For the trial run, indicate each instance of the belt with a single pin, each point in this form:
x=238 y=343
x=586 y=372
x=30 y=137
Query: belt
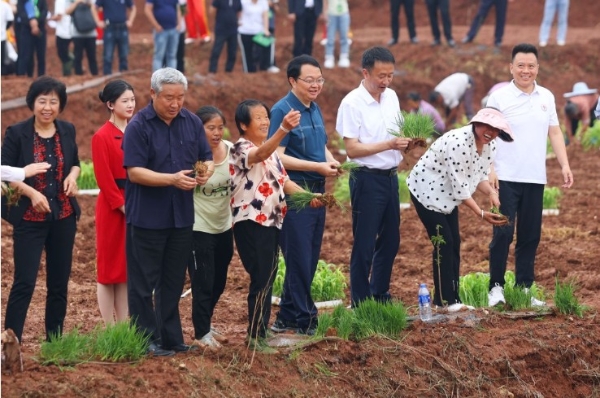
x=387 y=173
x=120 y=182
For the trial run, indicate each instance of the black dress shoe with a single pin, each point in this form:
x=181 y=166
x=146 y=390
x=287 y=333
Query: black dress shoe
x=183 y=348
x=156 y=351
x=392 y=42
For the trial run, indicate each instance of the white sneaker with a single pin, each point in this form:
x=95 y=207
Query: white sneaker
x=329 y=63
x=273 y=69
x=534 y=301
x=344 y=62
x=561 y=42
x=543 y=44
x=496 y=296
x=323 y=42
x=456 y=307
x=207 y=342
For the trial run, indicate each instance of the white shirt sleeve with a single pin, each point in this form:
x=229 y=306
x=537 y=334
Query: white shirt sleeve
x=12 y=173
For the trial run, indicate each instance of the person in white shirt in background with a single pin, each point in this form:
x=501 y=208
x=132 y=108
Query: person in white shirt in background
x=62 y=23
x=450 y=93
x=6 y=20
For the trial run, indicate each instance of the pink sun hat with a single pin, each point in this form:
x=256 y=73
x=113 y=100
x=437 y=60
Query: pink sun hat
x=494 y=118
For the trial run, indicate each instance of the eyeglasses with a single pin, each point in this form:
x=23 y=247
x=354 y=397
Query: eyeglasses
x=310 y=81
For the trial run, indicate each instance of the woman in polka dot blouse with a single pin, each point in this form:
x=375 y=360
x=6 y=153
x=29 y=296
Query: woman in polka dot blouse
x=447 y=175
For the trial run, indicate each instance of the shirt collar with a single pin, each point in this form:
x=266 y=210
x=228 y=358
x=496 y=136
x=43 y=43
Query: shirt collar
x=295 y=103
x=366 y=95
x=149 y=112
x=517 y=92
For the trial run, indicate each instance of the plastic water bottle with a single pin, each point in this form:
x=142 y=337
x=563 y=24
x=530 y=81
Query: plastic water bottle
x=424 y=303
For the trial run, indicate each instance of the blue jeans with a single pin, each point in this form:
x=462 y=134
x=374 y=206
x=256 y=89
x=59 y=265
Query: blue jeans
x=115 y=34
x=341 y=24
x=165 y=44
x=550 y=9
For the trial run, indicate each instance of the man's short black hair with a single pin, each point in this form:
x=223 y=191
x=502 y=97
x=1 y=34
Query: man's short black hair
x=376 y=54
x=295 y=65
x=413 y=96
x=571 y=110
x=524 y=48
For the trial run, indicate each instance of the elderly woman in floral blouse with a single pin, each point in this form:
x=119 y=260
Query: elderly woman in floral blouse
x=259 y=184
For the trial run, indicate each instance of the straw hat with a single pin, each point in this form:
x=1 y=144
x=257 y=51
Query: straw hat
x=580 y=88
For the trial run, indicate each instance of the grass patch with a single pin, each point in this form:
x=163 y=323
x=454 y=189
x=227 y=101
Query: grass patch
x=552 y=197
x=368 y=319
x=328 y=284
x=87 y=178
x=474 y=288
x=591 y=137
x=565 y=300
x=114 y=343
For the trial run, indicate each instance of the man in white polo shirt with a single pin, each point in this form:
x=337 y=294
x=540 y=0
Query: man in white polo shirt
x=363 y=119
x=520 y=169
x=451 y=92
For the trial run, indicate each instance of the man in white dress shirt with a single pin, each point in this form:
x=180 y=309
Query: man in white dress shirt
x=520 y=169
x=363 y=119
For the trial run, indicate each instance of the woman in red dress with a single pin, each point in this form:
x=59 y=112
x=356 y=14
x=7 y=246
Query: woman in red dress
x=107 y=156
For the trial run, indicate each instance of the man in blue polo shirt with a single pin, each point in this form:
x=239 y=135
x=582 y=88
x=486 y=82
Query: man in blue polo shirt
x=162 y=144
x=165 y=17
x=116 y=26
x=308 y=161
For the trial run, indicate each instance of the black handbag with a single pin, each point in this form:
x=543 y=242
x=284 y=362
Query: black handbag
x=83 y=19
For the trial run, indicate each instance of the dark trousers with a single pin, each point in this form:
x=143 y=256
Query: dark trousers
x=446 y=274
x=253 y=54
x=522 y=201
x=482 y=12
x=410 y=17
x=301 y=238
x=87 y=44
x=156 y=261
x=208 y=267
x=220 y=41
x=304 y=32
x=30 y=238
x=257 y=247
x=376 y=231
x=66 y=59
x=444 y=7
x=28 y=45
x=181 y=53
x=115 y=35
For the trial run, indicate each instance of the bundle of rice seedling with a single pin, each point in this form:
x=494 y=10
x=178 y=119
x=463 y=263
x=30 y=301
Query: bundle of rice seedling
x=12 y=195
x=417 y=126
x=348 y=166
x=495 y=210
x=200 y=168
x=300 y=200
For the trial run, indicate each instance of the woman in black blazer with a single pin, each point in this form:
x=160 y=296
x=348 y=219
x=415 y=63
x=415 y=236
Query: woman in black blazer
x=45 y=217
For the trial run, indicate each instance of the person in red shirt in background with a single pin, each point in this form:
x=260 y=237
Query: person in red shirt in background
x=196 y=21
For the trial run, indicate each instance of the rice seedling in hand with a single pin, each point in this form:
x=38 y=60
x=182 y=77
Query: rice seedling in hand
x=348 y=166
x=200 y=168
x=87 y=178
x=495 y=210
x=12 y=195
x=416 y=126
x=300 y=200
